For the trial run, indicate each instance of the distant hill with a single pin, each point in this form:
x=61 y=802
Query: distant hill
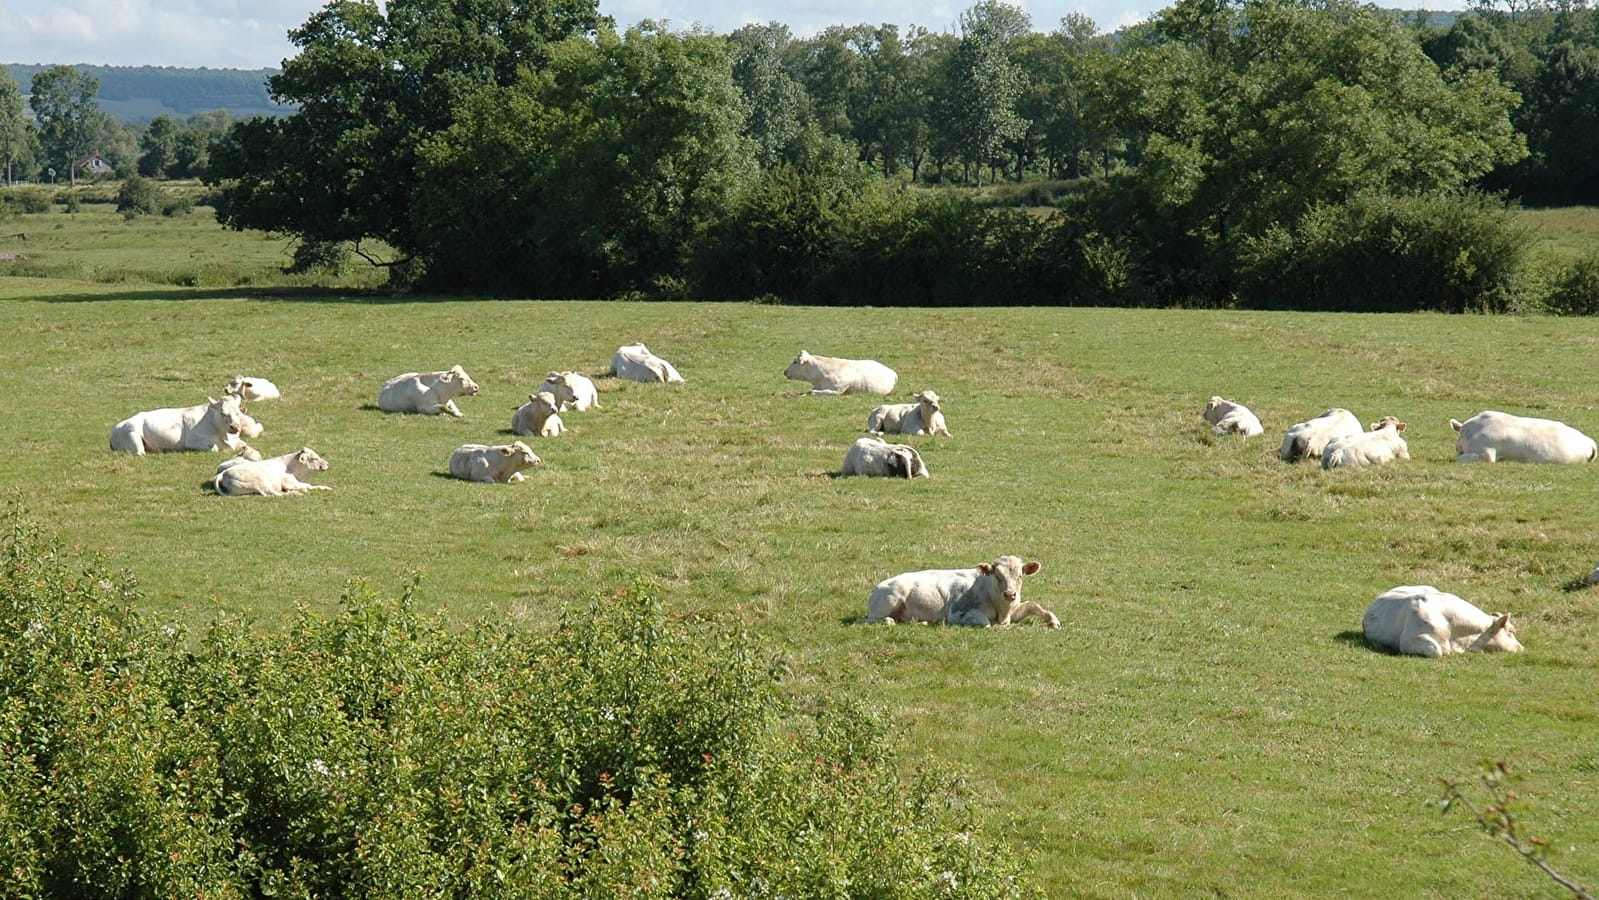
x=138 y=94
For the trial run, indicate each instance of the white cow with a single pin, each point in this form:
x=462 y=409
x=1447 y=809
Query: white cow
x=250 y=388
x=635 y=362
x=869 y=456
x=426 y=392
x=1382 y=444
x=271 y=477
x=1422 y=620
x=502 y=463
x=922 y=417
x=1227 y=417
x=1309 y=439
x=1493 y=436
x=248 y=428
x=830 y=375
x=538 y=416
x=989 y=594
x=208 y=426
x=571 y=391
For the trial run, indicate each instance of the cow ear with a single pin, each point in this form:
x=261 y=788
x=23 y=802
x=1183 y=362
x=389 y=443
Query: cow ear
x=985 y=568
x=1500 y=622
x=1399 y=426
x=506 y=451
x=1032 y=567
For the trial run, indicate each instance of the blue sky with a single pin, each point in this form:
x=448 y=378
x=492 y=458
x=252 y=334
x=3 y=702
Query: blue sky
x=250 y=34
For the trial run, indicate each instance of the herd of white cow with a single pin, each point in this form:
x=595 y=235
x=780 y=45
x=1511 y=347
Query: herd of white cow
x=1420 y=619
x=1413 y=619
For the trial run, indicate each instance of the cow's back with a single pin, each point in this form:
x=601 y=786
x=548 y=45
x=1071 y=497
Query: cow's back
x=923 y=596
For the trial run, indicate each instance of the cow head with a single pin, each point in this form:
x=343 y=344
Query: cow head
x=929 y=400
x=1008 y=572
x=907 y=463
x=309 y=459
x=458 y=375
x=1386 y=421
x=227 y=413
x=520 y=455
x=1501 y=635
x=802 y=366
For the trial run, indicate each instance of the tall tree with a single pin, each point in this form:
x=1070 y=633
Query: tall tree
x=775 y=103
x=983 y=86
x=69 y=117
x=373 y=81
x=17 y=139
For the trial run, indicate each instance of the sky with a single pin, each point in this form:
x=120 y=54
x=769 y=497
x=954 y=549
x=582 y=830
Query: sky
x=252 y=34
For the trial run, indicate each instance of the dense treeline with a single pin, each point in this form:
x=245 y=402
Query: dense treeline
x=1225 y=152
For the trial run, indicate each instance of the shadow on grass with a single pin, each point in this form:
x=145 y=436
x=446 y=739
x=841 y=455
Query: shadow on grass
x=282 y=294
x=1353 y=639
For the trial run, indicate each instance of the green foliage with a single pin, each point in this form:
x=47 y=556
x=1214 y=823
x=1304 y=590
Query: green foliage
x=605 y=167
x=138 y=197
x=381 y=752
x=62 y=101
x=1575 y=291
x=1245 y=114
x=32 y=200
x=319 y=256
x=1444 y=253
x=374 y=84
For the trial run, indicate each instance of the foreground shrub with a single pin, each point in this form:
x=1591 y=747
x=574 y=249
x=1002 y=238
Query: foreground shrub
x=138 y=197
x=381 y=753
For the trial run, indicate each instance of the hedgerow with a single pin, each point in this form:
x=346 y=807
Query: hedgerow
x=380 y=752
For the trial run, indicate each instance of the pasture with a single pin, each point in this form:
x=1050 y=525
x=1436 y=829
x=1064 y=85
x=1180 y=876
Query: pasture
x=1206 y=722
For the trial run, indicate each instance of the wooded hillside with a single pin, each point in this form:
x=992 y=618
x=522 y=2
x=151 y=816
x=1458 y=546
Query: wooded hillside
x=140 y=93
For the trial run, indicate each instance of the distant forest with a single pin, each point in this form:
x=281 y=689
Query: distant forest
x=138 y=94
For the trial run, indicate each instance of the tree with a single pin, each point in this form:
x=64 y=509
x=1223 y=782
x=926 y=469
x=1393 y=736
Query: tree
x=158 y=148
x=17 y=140
x=775 y=103
x=983 y=86
x=374 y=82
x=1243 y=114
x=602 y=168
x=63 y=102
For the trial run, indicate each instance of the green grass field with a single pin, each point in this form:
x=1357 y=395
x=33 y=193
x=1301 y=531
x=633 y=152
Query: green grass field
x=1208 y=720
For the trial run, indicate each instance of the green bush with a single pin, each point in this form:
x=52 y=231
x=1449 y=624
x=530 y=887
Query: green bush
x=380 y=752
x=1441 y=252
x=1575 y=291
x=138 y=197
x=25 y=200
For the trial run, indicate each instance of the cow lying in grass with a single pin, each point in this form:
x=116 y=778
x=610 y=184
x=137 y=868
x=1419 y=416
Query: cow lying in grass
x=273 y=476
x=925 y=416
x=1308 y=439
x=430 y=393
x=1382 y=444
x=1227 y=417
x=499 y=464
x=1493 y=436
x=1424 y=621
x=829 y=375
x=571 y=391
x=205 y=427
x=538 y=416
x=635 y=362
x=870 y=456
x=249 y=389
x=988 y=594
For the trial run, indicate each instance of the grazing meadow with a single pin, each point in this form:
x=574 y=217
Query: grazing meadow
x=1208 y=719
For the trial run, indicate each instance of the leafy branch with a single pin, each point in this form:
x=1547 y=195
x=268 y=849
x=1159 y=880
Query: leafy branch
x=1498 y=813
